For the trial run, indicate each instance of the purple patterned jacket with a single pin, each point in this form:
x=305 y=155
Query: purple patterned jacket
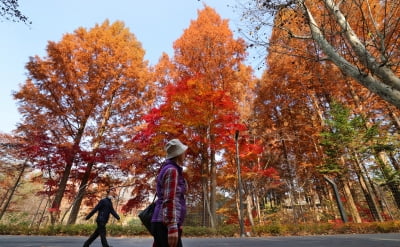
x=171 y=203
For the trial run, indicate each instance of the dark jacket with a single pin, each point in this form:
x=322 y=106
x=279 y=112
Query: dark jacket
x=105 y=208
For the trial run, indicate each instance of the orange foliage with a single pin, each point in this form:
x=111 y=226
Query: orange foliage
x=85 y=97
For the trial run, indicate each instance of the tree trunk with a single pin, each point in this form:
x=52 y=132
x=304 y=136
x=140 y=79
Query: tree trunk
x=376 y=190
x=85 y=180
x=4 y=198
x=204 y=184
x=330 y=207
x=350 y=202
x=37 y=212
x=368 y=193
x=79 y=197
x=257 y=202
x=385 y=205
x=381 y=81
x=395 y=117
x=13 y=189
x=250 y=208
x=213 y=178
x=318 y=110
x=43 y=212
x=213 y=190
x=393 y=186
x=64 y=179
x=394 y=162
x=363 y=170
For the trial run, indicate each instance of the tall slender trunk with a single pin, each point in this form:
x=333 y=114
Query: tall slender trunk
x=4 y=198
x=13 y=189
x=318 y=109
x=350 y=202
x=394 y=162
x=64 y=179
x=250 y=208
x=257 y=204
x=367 y=191
x=81 y=193
x=85 y=179
x=43 y=212
x=393 y=186
x=213 y=189
x=395 y=121
x=394 y=116
x=385 y=206
x=37 y=212
x=204 y=184
x=213 y=177
x=381 y=200
x=329 y=207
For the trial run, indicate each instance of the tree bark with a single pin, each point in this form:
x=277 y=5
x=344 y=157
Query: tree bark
x=4 y=198
x=64 y=179
x=393 y=186
x=368 y=193
x=79 y=197
x=394 y=116
x=213 y=189
x=204 y=184
x=350 y=202
x=85 y=180
x=250 y=208
x=37 y=212
x=213 y=178
x=13 y=189
x=383 y=81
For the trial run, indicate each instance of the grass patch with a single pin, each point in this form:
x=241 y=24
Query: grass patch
x=272 y=229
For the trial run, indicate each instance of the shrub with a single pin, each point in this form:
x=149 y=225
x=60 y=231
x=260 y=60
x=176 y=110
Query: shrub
x=228 y=230
x=271 y=229
x=195 y=231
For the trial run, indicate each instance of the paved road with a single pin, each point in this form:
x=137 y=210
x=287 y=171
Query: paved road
x=364 y=240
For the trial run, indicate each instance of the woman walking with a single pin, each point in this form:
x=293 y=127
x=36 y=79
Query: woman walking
x=170 y=210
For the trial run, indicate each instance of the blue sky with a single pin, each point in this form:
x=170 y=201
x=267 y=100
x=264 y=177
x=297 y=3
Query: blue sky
x=155 y=23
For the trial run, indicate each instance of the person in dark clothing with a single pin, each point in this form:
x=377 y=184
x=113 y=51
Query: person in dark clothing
x=104 y=209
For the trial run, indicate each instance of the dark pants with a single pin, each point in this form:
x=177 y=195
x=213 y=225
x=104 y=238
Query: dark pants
x=100 y=230
x=160 y=234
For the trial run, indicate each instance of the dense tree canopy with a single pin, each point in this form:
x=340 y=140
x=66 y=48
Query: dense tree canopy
x=359 y=37
x=86 y=95
x=94 y=113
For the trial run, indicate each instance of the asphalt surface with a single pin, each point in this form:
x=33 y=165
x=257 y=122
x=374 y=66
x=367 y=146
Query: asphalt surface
x=356 y=240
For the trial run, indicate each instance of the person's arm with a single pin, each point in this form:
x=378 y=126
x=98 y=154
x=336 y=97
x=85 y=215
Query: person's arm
x=114 y=213
x=94 y=210
x=170 y=183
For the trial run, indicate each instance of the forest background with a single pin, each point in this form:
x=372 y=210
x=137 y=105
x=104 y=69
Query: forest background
x=315 y=139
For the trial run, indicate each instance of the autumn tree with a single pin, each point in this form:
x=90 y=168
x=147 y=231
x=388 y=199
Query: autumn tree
x=87 y=94
x=208 y=60
x=286 y=123
x=347 y=144
x=295 y=93
x=359 y=37
x=258 y=178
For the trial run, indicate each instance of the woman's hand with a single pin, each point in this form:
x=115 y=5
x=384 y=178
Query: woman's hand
x=173 y=239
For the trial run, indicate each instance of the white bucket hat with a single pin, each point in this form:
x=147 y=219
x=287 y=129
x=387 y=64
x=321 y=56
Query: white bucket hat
x=175 y=148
